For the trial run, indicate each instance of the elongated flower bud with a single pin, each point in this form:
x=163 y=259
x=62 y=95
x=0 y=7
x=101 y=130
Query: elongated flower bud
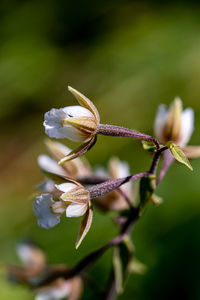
x=174 y=124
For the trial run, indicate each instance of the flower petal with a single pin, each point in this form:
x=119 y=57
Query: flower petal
x=54 y=118
x=119 y=169
x=159 y=123
x=85 y=102
x=56 y=149
x=47 y=186
x=58 y=290
x=187 y=126
x=58 y=207
x=49 y=165
x=31 y=255
x=192 y=152
x=76 y=210
x=85 y=226
x=77 y=111
x=74 y=169
x=66 y=187
x=42 y=210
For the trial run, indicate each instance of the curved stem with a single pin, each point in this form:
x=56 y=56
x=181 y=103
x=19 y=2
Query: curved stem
x=156 y=158
x=112 y=130
x=101 y=189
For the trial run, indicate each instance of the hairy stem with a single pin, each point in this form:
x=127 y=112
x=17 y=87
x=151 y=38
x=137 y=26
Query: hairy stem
x=101 y=189
x=112 y=130
x=156 y=158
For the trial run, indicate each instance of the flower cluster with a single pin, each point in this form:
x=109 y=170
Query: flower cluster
x=72 y=188
x=67 y=189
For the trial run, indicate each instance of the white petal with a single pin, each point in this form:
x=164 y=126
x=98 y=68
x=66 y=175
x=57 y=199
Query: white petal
x=25 y=253
x=42 y=210
x=53 y=122
x=77 y=111
x=46 y=186
x=160 y=119
x=48 y=164
x=62 y=148
x=55 y=292
x=100 y=171
x=31 y=255
x=76 y=210
x=58 y=207
x=66 y=187
x=54 y=117
x=123 y=170
x=187 y=126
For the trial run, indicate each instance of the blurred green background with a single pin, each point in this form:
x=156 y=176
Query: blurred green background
x=126 y=56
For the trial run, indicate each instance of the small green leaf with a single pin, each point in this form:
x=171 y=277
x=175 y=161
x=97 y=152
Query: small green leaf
x=149 y=146
x=179 y=155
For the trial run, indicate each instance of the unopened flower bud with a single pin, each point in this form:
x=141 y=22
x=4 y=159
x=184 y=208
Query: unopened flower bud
x=174 y=124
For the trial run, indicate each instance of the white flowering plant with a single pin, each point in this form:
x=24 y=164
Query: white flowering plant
x=72 y=188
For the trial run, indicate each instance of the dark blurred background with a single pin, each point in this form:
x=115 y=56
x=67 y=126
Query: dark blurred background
x=126 y=56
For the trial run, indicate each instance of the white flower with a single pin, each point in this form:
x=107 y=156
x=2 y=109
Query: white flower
x=49 y=165
x=77 y=123
x=173 y=124
x=68 y=122
x=77 y=201
x=74 y=201
x=43 y=209
x=76 y=198
x=74 y=169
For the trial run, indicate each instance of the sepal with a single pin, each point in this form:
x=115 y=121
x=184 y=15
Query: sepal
x=82 y=149
x=179 y=155
x=85 y=225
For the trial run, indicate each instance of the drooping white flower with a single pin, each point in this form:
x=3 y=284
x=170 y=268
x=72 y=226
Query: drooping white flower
x=174 y=124
x=74 y=201
x=77 y=201
x=77 y=123
x=76 y=198
x=69 y=122
x=43 y=210
x=74 y=169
